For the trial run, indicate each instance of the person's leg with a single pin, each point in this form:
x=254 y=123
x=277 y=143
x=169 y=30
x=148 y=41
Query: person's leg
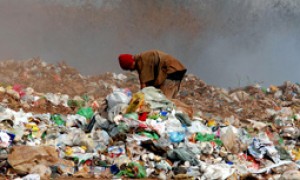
x=170 y=88
x=176 y=88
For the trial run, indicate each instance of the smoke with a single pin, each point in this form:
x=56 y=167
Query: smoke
x=226 y=43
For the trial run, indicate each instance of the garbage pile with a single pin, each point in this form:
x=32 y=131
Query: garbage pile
x=56 y=123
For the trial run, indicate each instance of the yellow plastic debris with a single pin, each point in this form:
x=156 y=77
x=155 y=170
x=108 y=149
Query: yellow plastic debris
x=211 y=123
x=296 y=153
x=69 y=151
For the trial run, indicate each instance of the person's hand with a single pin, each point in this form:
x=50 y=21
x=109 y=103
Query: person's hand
x=143 y=85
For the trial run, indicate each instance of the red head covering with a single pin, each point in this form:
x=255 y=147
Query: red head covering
x=126 y=61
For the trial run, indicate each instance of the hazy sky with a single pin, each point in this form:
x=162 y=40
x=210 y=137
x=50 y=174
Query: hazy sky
x=226 y=43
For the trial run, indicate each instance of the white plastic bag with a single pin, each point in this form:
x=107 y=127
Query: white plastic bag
x=119 y=96
x=4 y=140
x=198 y=126
x=32 y=177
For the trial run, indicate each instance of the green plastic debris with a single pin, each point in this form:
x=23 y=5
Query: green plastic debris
x=86 y=97
x=123 y=127
x=87 y=112
x=284 y=155
x=30 y=137
x=294 y=117
x=208 y=138
x=44 y=135
x=58 y=120
x=264 y=90
x=133 y=170
x=131 y=116
x=154 y=116
x=280 y=141
x=151 y=135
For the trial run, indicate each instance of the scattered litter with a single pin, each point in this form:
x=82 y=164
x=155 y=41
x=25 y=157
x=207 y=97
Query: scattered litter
x=55 y=122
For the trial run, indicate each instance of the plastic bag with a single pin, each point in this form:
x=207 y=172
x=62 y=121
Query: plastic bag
x=183 y=154
x=174 y=125
x=198 y=126
x=157 y=126
x=32 y=177
x=75 y=119
x=183 y=118
x=119 y=96
x=19 y=89
x=216 y=171
x=156 y=99
x=258 y=149
x=230 y=140
x=90 y=126
x=123 y=127
x=133 y=116
x=116 y=110
x=86 y=112
x=176 y=137
x=162 y=142
x=137 y=101
x=133 y=170
x=101 y=122
x=58 y=120
x=151 y=135
x=55 y=98
x=4 y=140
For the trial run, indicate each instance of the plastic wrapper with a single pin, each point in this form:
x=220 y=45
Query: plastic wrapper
x=208 y=138
x=115 y=151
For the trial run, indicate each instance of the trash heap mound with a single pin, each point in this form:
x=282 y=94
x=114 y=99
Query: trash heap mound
x=57 y=123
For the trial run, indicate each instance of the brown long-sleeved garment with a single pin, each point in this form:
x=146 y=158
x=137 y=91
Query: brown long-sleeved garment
x=155 y=66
